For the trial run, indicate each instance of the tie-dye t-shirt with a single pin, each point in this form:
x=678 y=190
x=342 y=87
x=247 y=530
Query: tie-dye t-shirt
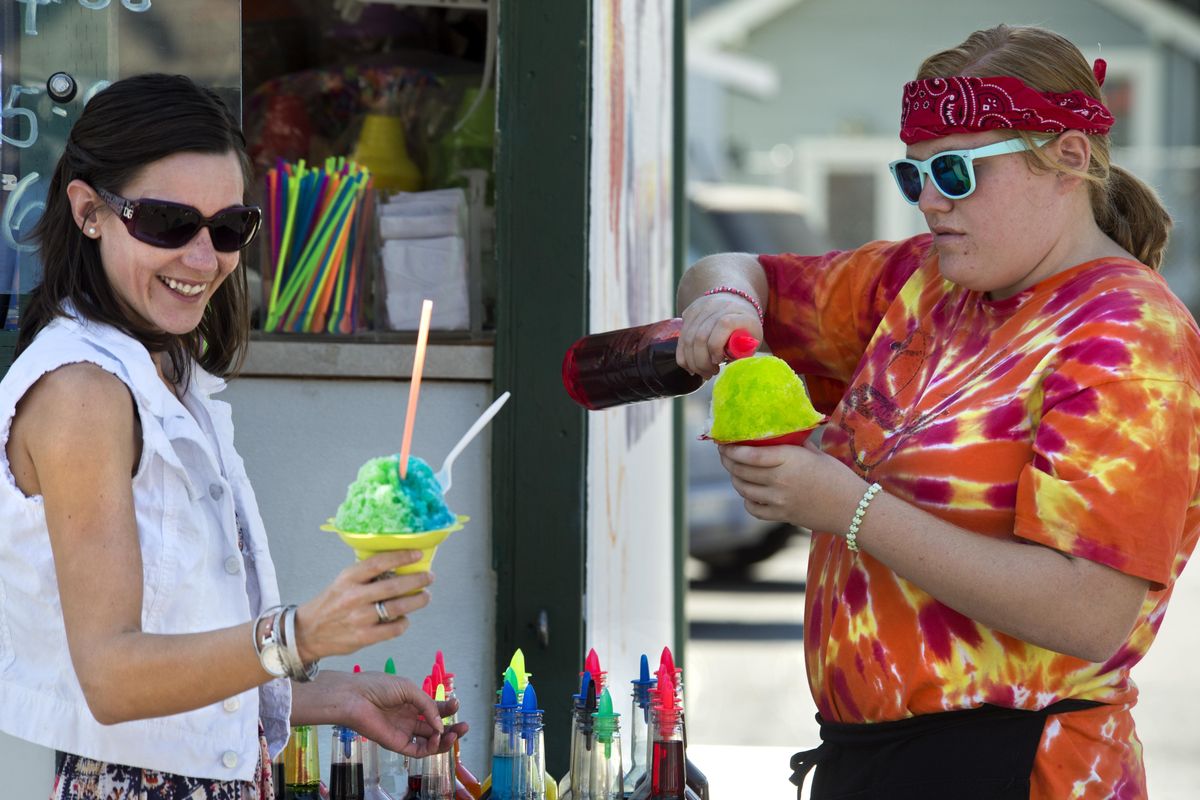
x=1067 y=415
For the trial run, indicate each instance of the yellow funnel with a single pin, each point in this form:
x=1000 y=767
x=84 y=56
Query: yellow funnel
x=382 y=149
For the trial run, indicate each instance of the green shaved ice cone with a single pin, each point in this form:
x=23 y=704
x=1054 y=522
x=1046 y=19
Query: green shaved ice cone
x=378 y=502
x=373 y=501
x=757 y=398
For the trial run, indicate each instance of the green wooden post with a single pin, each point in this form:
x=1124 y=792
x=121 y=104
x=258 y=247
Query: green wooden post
x=679 y=248
x=540 y=443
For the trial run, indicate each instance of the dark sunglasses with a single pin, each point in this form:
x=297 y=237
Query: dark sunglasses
x=952 y=171
x=172 y=225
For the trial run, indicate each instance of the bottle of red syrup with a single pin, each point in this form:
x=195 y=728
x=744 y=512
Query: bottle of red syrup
x=668 y=758
x=613 y=368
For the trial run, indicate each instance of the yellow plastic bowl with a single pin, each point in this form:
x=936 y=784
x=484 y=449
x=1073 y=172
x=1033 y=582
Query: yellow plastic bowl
x=366 y=545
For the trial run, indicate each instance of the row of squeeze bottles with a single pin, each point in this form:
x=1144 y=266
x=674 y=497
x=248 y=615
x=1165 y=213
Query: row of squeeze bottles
x=658 y=769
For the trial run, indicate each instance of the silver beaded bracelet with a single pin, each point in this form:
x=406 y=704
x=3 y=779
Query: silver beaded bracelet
x=852 y=534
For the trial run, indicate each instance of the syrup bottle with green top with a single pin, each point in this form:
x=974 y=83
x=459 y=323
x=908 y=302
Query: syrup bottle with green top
x=302 y=766
x=370 y=757
x=604 y=771
x=393 y=777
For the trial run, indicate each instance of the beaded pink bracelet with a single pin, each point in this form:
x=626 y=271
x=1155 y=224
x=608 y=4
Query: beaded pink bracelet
x=740 y=293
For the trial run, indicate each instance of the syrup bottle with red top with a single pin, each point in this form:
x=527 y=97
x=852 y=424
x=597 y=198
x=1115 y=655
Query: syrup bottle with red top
x=628 y=365
x=671 y=775
x=668 y=760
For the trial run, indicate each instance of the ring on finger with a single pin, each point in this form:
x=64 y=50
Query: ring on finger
x=382 y=612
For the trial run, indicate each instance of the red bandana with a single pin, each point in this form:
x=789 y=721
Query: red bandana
x=938 y=107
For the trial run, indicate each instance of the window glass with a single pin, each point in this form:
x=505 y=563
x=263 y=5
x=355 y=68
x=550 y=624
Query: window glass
x=54 y=56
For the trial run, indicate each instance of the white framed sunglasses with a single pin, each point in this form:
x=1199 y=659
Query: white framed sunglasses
x=952 y=171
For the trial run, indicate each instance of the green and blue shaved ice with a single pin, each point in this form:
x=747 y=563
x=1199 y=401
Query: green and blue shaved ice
x=378 y=502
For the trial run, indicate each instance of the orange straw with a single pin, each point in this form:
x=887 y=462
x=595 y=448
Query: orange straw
x=415 y=387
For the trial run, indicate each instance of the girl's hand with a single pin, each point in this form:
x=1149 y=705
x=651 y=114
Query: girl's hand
x=708 y=321
x=344 y=618
x=798 y=485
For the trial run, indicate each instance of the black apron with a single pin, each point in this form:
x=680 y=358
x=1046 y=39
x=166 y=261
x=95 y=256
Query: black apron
x=983 y=753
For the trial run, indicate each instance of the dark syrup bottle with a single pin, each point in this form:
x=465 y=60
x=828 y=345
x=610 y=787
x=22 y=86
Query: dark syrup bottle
x=346 y=767
x=613 y=368
x=416 y=770
x=277 y=775
x=668 y=771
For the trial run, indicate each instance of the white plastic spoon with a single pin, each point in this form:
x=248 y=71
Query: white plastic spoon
x=443 y=474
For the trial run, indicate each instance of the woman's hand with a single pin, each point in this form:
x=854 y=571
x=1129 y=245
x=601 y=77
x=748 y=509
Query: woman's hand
x=385 y=708
x=344 y=617
x=709 y=319
x=708 y=322
x=798 y=485
x=1039 y=595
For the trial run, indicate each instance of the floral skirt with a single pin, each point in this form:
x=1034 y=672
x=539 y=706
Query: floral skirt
x=82 y=778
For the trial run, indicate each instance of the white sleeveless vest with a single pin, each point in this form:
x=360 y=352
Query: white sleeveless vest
x=194 y=576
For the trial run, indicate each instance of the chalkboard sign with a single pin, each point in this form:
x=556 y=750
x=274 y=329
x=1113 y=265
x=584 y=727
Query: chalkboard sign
x=55 y=55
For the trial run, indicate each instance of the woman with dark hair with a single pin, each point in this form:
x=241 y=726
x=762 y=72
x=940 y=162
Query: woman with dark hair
x=1008 y=484
x=141 y=629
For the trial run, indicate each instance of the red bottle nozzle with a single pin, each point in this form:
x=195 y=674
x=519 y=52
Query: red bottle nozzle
x=592 y=662
x=740 y=344
x=440 y=660
x=592 y=665
x=667 y=702
x=667 y=662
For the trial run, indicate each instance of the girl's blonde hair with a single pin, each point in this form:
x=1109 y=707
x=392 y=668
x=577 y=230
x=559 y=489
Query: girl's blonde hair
x=1125 y=208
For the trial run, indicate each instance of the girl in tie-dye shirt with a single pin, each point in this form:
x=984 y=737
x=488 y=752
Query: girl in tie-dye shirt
x=1025 y=389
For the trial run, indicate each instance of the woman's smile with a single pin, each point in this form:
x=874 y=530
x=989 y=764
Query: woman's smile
x=187 y=289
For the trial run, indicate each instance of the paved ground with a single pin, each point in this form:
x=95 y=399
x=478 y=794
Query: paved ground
x=749 y=708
